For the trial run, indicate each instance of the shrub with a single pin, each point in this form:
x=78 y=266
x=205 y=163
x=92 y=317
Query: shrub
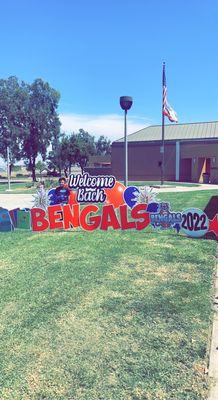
x=16 y=168
x=29 y=185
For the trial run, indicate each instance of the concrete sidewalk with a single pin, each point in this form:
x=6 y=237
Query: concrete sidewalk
x=11 y=201
x=186 y=189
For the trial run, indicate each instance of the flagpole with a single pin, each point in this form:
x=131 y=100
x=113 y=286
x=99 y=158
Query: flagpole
x=163 y=126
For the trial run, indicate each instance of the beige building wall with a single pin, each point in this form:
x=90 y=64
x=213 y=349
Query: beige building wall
x=199 y=154
x=144 y=160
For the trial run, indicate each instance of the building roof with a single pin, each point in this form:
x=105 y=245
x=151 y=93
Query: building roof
x=192 y=131
x=99 y=159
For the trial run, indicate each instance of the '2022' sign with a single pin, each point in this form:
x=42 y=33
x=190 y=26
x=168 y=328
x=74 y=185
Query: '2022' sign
x=195 y=222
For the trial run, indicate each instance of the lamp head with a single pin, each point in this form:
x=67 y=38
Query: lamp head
x=126 y=102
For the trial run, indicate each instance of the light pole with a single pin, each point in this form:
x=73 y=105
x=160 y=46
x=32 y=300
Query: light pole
x=8 y=169
x=125 y=104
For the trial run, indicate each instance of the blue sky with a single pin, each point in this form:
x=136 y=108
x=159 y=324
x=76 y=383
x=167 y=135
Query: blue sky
x=95 y=51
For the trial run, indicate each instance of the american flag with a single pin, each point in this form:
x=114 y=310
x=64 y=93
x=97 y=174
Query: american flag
x=167 y=109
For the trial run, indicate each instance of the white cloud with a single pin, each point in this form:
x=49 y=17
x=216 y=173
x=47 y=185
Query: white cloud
x=110 y=125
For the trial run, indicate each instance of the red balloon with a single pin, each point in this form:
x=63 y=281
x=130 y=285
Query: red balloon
x=114 y=196
x=72 y=198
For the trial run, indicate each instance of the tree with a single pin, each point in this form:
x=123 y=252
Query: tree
x=13 y=100
x=64 y=154
x=68 y=152
x=41 y=166
x=28 y=120
x=41 y=122
x=103 y=146
x=55 y=159
x=76 y=148
x=85 y=148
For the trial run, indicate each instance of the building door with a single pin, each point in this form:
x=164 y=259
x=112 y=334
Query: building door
x=208 y=166
x=203 y=167
x=185 y=170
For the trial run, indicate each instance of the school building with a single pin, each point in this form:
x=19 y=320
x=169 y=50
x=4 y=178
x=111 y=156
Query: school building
x=191 y=153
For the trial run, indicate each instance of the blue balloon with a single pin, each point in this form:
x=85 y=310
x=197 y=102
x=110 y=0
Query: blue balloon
x=130 y=195
x=52 y=197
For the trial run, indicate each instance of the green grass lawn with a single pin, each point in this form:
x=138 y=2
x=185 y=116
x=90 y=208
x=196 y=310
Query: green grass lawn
x=17 y=188
x=182 y=200
x=23 y=187
x=106 y=315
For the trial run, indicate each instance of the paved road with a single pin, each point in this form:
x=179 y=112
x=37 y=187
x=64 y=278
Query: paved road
x=10 y=201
